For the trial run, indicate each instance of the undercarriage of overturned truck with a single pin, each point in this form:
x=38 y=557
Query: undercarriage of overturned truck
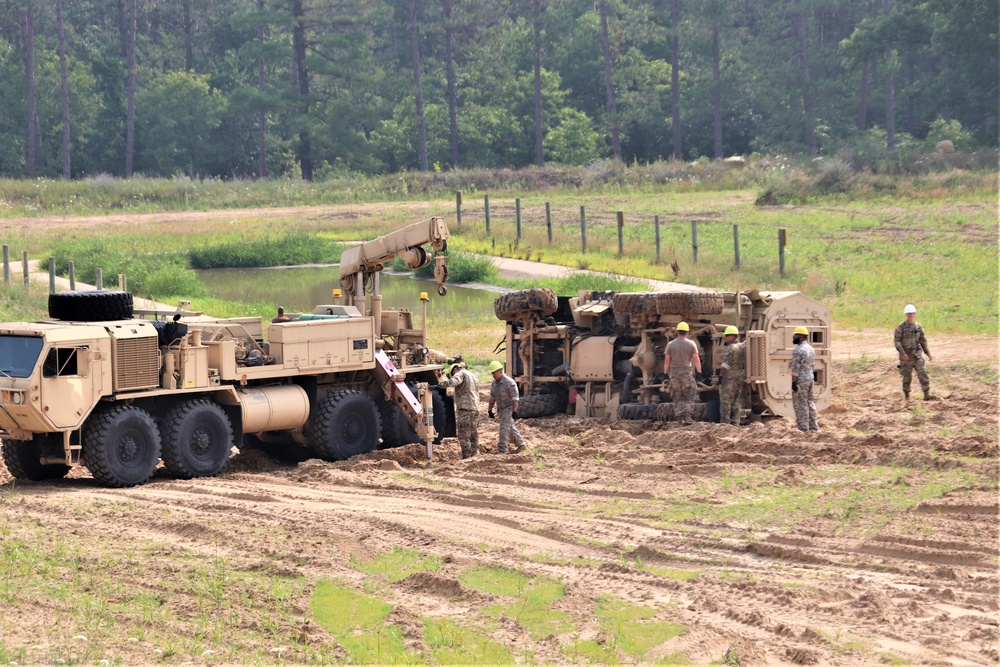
x=601 y=354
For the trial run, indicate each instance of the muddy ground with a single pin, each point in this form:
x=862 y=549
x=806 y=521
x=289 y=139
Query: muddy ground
x=874 y=541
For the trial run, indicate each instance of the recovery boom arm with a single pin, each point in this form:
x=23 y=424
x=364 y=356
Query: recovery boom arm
x=359 y=262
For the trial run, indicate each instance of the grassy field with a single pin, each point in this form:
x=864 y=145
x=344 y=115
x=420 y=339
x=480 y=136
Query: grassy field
x=931 y=241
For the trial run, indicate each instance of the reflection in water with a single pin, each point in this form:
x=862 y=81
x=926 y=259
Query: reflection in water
x=300 y=288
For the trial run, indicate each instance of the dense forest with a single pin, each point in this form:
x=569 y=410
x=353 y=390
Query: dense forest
x=309 y=88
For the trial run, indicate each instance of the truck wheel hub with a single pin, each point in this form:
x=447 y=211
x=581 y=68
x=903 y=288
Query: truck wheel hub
x=201 y=441
x=128 y=448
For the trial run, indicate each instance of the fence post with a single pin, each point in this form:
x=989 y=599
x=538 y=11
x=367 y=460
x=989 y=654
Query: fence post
x=621 y=227
x=736 y=244
x=583 y=228
x=694 y=240
x=486 y=202
x=782 y=239
x=52 y=275
x=72 y=276
x=99 y=278
x=24 y=266
x=458 y=209
x=517 y=208
x=121 y=282
x=656 y=225
x=548 y=219
x=6 y=264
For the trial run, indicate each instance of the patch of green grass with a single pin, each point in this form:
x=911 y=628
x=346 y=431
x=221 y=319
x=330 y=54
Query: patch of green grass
x=667 y=572
x=288 y=250
x=356 y=622
x=533 y=598
x=893 y=659
x=400 y=563
x=20 y=304
x=630 y=628
x=452 y=644
x=592 y=651
x=842 y=644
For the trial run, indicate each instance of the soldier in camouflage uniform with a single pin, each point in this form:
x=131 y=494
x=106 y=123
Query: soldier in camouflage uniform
x=803 y=359
x=910 y=342
x=466 y=407
x=683 y=364
x=734 y=376
x=504 y=395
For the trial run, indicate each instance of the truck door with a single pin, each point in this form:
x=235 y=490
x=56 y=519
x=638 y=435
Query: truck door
x=67 y=387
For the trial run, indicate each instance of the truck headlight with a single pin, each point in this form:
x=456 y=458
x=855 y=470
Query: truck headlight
x=17 y=398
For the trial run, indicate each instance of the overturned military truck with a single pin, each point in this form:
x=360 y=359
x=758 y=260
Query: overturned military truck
x=601 y=354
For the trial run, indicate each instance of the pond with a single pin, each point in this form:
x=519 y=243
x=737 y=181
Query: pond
x=299 y=288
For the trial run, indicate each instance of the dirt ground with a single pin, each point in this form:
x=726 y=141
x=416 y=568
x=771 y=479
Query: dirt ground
x=873 y=541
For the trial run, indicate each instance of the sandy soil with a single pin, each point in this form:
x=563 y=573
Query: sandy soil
x=590 y=504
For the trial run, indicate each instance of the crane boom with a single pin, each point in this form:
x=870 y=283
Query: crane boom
x=359 y=262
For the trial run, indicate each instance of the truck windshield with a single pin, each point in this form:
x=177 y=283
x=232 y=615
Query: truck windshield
x=18 y=355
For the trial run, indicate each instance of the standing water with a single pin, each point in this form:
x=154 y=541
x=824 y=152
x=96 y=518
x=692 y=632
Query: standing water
x=300 y=288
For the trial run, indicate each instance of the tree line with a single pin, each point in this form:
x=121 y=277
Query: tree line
x=305 y=88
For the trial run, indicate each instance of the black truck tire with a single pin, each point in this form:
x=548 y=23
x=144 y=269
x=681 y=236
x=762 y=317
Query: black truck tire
x=121 y=446
x=397 y=430
x=540 y=300
x=541 y=405
x=22 y=460
x=93 y=306
x=346 y=424
x=705 y=303
x=197 y=439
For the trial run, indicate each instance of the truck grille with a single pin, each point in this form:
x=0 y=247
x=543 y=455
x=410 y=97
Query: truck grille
x=756 y=356
x=137 y=364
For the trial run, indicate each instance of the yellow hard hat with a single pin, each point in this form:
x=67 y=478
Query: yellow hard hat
x=495 y=366
x=450 y=369
x=732 y=331
x=802 y=330
x=683 y=326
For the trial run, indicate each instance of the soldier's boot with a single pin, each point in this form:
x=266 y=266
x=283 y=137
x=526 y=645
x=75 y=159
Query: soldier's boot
x=928 y=396
x=906 y=394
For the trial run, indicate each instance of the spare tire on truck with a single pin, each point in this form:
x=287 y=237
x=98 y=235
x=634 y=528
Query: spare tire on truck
x=539 y=300
x=94 y=306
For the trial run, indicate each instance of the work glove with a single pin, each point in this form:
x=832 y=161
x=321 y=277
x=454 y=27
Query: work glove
x=698 y=377
x=491 y=414
x=795 y=386
x=515 y=415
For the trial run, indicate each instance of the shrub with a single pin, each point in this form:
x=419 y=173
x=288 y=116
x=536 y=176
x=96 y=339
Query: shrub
x=463 y=267
x=289 y=250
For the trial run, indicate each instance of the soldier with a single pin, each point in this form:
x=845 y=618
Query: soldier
x=910 y=342
x=281 y=316
x=803 y=358
x=734 y=375
x=503 y=394
x=681 y=357
x=466 y=407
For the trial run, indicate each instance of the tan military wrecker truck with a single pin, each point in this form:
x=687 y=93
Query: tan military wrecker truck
x=601 y=354
x=97 y=387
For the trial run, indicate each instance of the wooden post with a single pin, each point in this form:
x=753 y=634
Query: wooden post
x=24 y=266
x=99 y=278
x=548 y=219
x=694 y=240
x=52 y=275
x=621 y=228
x=6 y=264
x=458 y=209
x=72 y=276
x=656 y=225
x=517 y=214
x=782 y=239
x=736 y=244
x=583 y=228
x=121 y=281
x=486 y=202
